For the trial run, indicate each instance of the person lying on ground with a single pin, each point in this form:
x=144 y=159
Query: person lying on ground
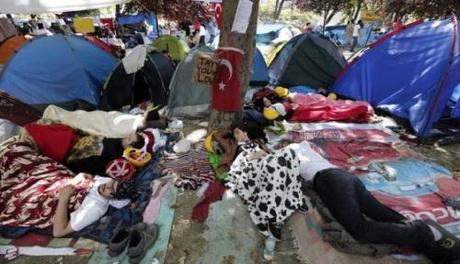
x=33 y=186
x=111 y=124
x=91 y=154
x=104 y=192
x=349 y=202
x=268 y=182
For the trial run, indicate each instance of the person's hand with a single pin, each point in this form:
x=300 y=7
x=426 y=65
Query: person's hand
x=66 y=192
x=295 y=106
x=80 y=178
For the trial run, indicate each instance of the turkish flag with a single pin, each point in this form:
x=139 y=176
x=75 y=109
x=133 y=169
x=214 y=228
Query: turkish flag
x=226 y=90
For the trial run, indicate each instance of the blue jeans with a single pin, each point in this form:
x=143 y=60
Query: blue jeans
x=354 y=44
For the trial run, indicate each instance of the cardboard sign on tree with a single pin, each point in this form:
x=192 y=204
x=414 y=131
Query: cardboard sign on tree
x=205 y=69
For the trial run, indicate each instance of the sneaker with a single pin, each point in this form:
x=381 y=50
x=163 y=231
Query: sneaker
x=121 y=238
x=448 y=240
x=118 y=243
x=140 y=241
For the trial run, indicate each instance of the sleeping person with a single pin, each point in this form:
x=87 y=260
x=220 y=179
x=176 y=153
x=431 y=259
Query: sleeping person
x=268 y=182
x=38 y=192
x=365 y=218
x=111 y=124
x=104 y=192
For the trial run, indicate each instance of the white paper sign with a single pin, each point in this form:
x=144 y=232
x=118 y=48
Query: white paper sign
x=242 y=16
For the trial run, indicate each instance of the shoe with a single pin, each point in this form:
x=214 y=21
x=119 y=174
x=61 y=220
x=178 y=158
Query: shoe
x=448 y=240
x=120 y=240
x=118 y=243
x=140 y=241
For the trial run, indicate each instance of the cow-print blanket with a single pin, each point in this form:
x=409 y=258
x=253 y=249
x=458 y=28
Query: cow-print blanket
x=270 y=185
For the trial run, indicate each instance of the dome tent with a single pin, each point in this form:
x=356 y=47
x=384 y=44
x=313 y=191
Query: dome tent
x=56 y=69
x=412 y=74
x=308 y=59
x=149 y=83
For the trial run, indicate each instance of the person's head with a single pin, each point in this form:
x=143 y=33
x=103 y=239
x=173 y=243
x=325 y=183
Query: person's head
x=360 y=22
x=40 y=26
x=133 y=140
x=261 y=102
x=243 y=132
x=152 y=115
x=118 y=190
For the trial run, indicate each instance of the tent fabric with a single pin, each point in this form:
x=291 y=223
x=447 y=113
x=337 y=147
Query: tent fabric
x=273 y=52
x=7 y=29
x=129 y=20
x=9 y=47
x=307 y=59
x=259 y=75
x=53 y=6
x=57 y=69
x=150 y=83
x=412 y=74
x=176 y=48
x=100 y=43
x=186 y=97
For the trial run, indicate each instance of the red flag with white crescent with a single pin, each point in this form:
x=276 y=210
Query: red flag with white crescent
x=226 y=90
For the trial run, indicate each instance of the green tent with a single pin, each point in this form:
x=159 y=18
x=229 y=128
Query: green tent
x=308 y=60
x=175 y=47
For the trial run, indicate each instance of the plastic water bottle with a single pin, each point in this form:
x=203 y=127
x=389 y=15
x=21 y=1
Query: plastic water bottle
x=269 y=250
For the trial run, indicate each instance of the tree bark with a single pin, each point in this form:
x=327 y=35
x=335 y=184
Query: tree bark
x=278 y=9
x=245 y=42
x=358 y=9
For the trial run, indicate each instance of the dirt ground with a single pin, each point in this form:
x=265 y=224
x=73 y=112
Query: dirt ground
x=187 y=243
x=186 y=240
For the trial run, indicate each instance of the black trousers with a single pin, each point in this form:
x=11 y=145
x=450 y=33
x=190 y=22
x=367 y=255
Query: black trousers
x=348 y=200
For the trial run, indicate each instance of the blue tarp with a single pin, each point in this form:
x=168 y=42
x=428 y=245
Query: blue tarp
x=412 y=74
x=57 y=69
x=259 y=70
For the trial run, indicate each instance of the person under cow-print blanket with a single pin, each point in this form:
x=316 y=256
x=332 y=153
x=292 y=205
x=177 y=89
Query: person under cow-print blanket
x=268 y=182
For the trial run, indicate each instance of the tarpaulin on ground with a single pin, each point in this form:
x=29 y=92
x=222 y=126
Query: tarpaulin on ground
x=397 y=176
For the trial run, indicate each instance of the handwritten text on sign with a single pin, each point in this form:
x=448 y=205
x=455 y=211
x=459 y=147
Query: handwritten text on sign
x=205 y=69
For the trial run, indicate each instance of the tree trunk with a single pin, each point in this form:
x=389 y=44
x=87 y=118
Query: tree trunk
x=325 y=15
x=358 y=9
x=278 y=9
x=245 y=42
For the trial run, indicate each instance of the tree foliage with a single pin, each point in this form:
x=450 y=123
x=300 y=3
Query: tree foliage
x=422 y=8
x=327 y=8
x=176 y=10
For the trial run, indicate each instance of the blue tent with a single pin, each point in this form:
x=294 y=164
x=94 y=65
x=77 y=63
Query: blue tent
x=259 y=70
x=57 y=69
x=413 y=74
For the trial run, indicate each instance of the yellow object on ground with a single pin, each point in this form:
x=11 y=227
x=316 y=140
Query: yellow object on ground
x=270 y=113
x=208 y=142
x=332 y=96
x=137 y=157
x=281 y=91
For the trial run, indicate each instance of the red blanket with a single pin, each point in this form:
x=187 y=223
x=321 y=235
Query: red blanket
x=29 y=188
x=54 y=141
x=315 y=107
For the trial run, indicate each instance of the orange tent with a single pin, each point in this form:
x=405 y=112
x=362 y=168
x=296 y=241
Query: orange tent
x=9 y=47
